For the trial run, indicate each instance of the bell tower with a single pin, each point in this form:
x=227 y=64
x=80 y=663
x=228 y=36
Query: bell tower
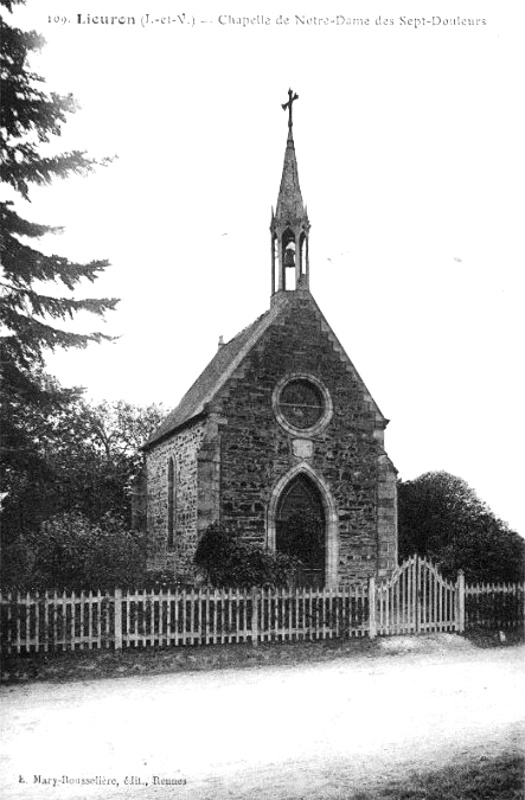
x=290 y=226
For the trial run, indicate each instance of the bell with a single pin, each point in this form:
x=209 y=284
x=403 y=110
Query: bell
x=289 y=258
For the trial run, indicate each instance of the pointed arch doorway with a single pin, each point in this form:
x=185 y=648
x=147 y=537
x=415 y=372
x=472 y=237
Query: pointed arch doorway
x=300 y=528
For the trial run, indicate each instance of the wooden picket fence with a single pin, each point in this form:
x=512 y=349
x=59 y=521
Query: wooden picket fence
x=71 y=621
x=497 y=606
x=415 y=599
x=51 y=621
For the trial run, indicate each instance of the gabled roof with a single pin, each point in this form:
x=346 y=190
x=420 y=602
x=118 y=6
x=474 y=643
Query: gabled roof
x=222 y=365
x=231 y=355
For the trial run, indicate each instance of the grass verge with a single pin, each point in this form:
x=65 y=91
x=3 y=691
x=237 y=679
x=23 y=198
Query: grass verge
x=93 y=664
x=486 y=637
x=498 y=777
x=82 y=664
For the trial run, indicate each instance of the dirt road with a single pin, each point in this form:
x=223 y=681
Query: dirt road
x=313 y=731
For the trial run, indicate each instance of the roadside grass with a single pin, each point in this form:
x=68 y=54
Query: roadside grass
x=487 y=637
x=93 y=664
x=498 y=777
x=83 y=665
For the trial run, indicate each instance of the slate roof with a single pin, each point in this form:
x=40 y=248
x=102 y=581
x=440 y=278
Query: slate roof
x=230 y=356
x=224 y=362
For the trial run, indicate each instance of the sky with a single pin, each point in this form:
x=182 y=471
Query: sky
x=409 y=144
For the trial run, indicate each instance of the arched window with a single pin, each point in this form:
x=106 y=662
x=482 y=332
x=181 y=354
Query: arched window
x=172 y=497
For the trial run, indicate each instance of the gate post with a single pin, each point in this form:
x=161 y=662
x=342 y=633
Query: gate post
x=118 y=619
x=372 y=607
x=460 y=602
x=418 y=595
x=255 y=631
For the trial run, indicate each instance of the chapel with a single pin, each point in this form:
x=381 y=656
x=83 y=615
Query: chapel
x=278 y=435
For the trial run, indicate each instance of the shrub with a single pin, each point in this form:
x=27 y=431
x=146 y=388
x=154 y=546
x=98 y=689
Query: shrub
x=228 y=561
x=158 y=580
x=69 y=552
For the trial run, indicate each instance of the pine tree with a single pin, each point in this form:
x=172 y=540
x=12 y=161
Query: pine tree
x=30 y=118
x=30 y=320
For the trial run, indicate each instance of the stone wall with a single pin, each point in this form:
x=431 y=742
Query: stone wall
x=183 y=447
x=386 y=517
x=348 y=455
x=231 y=465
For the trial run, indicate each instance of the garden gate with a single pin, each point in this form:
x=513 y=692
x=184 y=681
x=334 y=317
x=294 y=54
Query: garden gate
x=417 y=599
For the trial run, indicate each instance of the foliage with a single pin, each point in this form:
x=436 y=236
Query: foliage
x=71 y=552
x=440 y=516
x=30 y=119
x=98 y=456
x=31 y=318
x=32 y=409
x=228 y=561
x=83 y=457
x=159 y=580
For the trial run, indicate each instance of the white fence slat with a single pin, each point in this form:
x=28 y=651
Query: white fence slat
x=192 y=617
x=435 y=600
x=18 y=640
x=167 y=628
x=183 y=616
x=117 y=616
x=208 y=633
x=440 y=604
x=73 y=608
x=176 y=601
x=255 y=617
x=46 y=622
x=37 y=622
x=236 y=615
x=151 y=604
x=89 y=601
x=409 y=600
x=215 y=617
x=226 y=616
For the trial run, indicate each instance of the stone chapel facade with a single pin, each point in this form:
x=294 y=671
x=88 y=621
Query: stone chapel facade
x=279 y=435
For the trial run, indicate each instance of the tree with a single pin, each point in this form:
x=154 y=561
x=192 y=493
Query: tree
x=86 y=458
x=31 y=319
x=97 y=456
x=441 y=517
x=40 y=419
x=30 y=118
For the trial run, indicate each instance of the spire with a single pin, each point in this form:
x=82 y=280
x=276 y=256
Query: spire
x=290 y=202
x=290 y=225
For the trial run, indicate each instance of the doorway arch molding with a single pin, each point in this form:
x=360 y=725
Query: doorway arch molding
x=330 y=512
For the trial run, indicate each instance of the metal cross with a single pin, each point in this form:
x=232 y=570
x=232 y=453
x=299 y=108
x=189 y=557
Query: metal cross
x=291 y=97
